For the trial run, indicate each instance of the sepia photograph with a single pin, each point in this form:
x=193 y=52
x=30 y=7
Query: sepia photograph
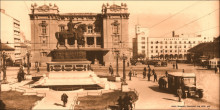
x=109 y=55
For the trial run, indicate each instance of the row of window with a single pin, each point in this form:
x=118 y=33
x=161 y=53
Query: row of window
x=175 y=42
x=167 y=51
x=166 y=46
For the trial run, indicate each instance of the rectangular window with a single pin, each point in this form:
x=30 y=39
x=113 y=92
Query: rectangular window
x=161 y=51
x=161 y=47
x=151 y=42
x=143 y=47
x=165 y=51
x=175 y=42
x=151 y=46
x=142 y=38
x=170 y=42
x=184 y=42
x=44 y=31
x=142 y=42
x=165 y=46
x=115 y=29
x=165 y=42
x=170 y=46
x=62 y=28
x=170 y=50
x=179 y=42
x=156 y=46
x=90 y=30
x=43 y=54
x=152 y=51
x=156 y=51
x=143 y=51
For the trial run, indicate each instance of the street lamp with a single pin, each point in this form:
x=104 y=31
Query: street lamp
x=124 y=74
x=4 y=68
x=28 y=62
x=117 y=53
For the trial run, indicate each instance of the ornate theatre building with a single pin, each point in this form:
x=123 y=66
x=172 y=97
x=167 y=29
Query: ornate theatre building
x=106 y=33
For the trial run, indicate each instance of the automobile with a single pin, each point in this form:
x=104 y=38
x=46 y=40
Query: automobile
x=187 y=82
x=160 y=64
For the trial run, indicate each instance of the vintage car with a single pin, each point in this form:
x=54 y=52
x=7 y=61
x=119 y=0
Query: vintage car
x=187 y=82
x=160 y=64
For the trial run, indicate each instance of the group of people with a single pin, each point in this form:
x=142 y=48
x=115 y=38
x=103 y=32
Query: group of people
x=125 y=103
x=149 y=73
x=175 y=65
x=21 y=74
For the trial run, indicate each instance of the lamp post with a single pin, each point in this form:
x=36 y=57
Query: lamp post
x=28 y=63
x=117 y=53
x=124 y=74
x=4 y=68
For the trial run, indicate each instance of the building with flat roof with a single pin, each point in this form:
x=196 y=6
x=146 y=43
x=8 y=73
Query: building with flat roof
x=10 y=35
x=106 y=35
x=161 y=48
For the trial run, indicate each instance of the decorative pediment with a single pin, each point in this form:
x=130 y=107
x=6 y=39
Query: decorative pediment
x=115 y=7
x=43 y=8
x=115 y=23
x=43 y=24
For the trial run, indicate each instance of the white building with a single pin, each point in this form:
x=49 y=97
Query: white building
x=10 y=33
x=175 y=47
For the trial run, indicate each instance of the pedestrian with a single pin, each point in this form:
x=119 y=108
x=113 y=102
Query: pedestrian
x=153 y=71
x=179 y=93
x=128 y=64
x=110 y=68
x=126 y=102
x=155 y=76
x=166 y=73
x=130 y=102
x=183 y=71
x=215 y=69
x=130 y=74
x=148 y=75
x=64 y=98
x=38 y=69
x=120 y=103
x=173 y=66
x=176 y=65
x=144 y=72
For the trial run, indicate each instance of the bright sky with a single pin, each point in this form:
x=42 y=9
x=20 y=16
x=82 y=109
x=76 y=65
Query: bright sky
x=194 y=17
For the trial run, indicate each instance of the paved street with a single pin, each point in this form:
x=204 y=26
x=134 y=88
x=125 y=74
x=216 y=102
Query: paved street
x=150 y=97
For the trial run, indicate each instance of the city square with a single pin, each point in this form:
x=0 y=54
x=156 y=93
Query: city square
x=110 y=58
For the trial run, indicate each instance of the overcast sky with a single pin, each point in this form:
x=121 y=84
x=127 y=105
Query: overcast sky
x=194 y=17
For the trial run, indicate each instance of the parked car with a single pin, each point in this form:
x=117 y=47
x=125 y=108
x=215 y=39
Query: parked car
x=187 y=82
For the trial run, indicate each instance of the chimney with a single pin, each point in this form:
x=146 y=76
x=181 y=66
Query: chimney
x=2 y=10
x=173 y=33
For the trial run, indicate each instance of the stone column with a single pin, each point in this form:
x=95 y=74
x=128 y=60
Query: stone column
x=75 y=43
x=86 y=42
x=95 y=41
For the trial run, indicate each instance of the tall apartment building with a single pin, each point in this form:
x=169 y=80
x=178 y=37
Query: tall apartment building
x=175 y=47
x=107 y=32
x=10 y=33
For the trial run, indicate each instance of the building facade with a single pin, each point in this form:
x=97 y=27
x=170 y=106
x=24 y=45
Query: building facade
x=106 y=32
x=11 y=34
x=161 y=48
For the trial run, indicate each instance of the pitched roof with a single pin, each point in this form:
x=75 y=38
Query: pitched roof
x=6 y=47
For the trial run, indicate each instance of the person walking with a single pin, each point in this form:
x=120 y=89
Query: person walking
x=166 y=73
x=64 y=98
x=126 y=102
x=110 y=68
x=120 y=103
x=144 y=72
x=155 y=76
x=173 y=66
x=130 y=74
x=179 y=93
x=130 y=102
x=216 y=69
x=176 y=65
